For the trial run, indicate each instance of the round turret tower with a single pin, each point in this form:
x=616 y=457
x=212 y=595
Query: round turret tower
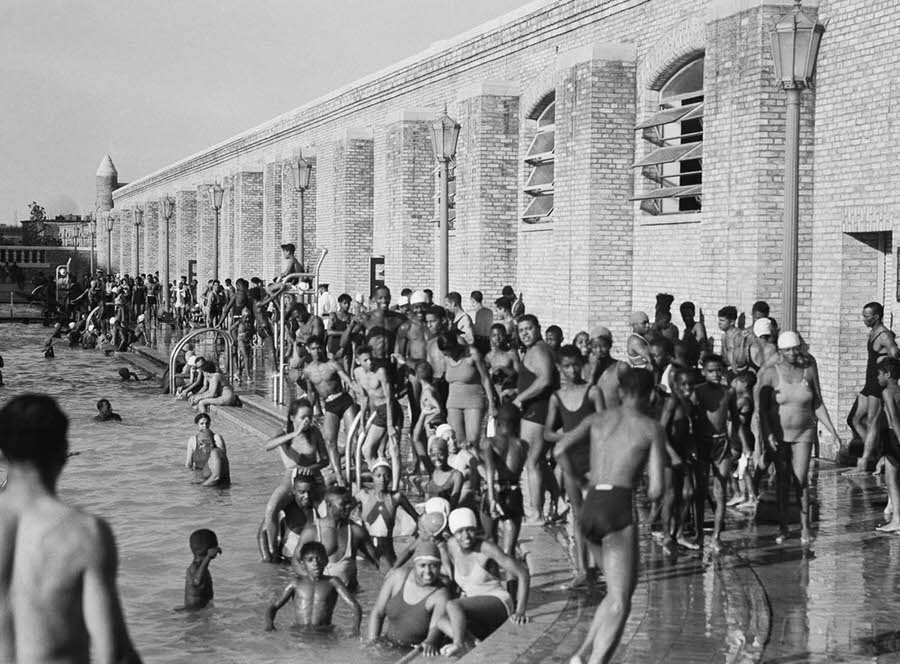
x=107 y=183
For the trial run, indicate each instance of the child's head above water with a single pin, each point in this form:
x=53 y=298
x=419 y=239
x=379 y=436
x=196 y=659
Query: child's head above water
x=202 y=541
x=104 y=406
x=314 y=558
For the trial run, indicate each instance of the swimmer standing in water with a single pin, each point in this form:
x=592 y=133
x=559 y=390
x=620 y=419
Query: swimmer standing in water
x=198 y=584
x=315 y=594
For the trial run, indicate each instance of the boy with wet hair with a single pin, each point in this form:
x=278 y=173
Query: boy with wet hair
x=198 y=585
x=105 y=412
x=504 y=457
x=717 y=419
x=315 y=594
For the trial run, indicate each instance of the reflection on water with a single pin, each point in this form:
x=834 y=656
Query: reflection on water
x=133 y=474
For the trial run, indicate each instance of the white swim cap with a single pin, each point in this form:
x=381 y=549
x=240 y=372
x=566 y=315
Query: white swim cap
x=437 y=505
x=418 y=297
x=90 y=328
x=462 y=517
x=140 y=318
x=404 y=300
x=380 y=463
x=190 y=358
x=112 y=321
x=71 y=326
x=788 y=340
x=762 y=327
x=445 y=431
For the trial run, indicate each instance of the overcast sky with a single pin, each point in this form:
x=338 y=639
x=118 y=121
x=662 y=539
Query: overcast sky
x=151 y=82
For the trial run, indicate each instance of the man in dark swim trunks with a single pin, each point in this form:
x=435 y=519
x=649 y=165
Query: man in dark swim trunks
x=330 y=383
x=537 y=381
x=881 y=344
x=623 y=440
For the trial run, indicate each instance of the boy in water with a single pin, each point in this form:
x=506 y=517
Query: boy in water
x=105 y=412
x=504 y=457
x=716 y=411
x=315 y=594
x=379 y=511
x=198 y=585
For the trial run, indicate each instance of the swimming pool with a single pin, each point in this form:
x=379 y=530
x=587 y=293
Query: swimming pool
x=132 y=473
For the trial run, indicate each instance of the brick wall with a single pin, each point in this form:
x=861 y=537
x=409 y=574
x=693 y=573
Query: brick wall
x=272 y=218
x=352 y=222
x=150 y=239
x=165 y=244
x=126 y=235
x=206 y=235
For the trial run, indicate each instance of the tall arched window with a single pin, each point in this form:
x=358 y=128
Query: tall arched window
x=675 y=166
x=539 y=160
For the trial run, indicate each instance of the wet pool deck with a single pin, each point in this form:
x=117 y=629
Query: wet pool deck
x=834 y=601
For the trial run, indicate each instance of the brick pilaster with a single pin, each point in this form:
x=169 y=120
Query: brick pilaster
x=248 y=228
x=274 y=193
x=353 y=189
x=206 y=229
x=125 y=225
x=405 y=220
x=150 y=240
x=226 y=235
x=184 y=240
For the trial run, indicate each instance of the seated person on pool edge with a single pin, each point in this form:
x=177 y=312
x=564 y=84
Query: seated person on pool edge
x=75 y=608
x=106 y=413
x=412 y=601
x=316 y=593
x=198 y=584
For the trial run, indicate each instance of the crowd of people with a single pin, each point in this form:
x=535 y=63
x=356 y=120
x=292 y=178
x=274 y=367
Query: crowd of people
x=469 y=410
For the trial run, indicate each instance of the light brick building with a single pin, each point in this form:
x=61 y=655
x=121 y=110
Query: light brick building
x=557 y=102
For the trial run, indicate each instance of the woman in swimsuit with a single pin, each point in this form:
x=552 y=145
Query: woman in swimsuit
x=218 y=390
x=486 y=603
x=790 y=407
x=378 y=508
x=502 y=363
x=445 y=482
x=198 y=450
x=468 y=383
x=412 y=601
x=569 y=405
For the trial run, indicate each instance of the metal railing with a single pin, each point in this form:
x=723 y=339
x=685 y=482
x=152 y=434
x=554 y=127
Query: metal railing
x=291 y=290
x=229 y=350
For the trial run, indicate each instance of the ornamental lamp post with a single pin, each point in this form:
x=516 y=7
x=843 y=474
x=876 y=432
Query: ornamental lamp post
x=168 y=208
x=92 y=229
x=109 y=228
x=444 y=135
x=795 y=47
x=138 y=221
x=216 y=192
x=301 y=169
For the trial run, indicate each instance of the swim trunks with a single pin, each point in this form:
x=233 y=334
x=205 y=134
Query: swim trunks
x=337 y=404
x=381 y=415
x=606 y=509
x=714 y=449
x=509 y=499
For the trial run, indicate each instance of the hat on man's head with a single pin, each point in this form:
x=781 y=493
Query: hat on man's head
x=788 y=339
x=600 y=332
x=418 y=297
x=638 y=317
x=462 y=517
x=762 y=327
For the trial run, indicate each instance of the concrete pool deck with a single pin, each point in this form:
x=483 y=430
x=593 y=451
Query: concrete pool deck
x=835 y=601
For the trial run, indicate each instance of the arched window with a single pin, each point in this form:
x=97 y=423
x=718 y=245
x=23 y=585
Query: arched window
x=675 y=166
x=539 y=161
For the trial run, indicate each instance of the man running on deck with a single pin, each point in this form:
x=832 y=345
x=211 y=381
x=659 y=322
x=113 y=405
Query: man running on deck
x=623 y=441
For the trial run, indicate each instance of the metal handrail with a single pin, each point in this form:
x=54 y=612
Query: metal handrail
x=229 y=350
x=350 y=450
x=290 y=289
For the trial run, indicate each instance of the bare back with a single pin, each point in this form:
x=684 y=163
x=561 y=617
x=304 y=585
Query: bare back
x=622 y=442
x=57 y=585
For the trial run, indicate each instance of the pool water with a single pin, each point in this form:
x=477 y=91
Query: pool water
x=132 y=473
